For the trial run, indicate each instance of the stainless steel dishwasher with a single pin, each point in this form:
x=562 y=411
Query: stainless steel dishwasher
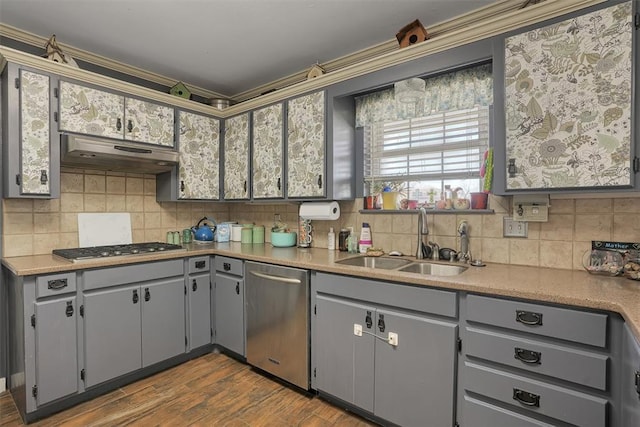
x=277 y=303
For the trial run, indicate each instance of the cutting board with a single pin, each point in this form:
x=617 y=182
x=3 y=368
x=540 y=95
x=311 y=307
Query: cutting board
x=99 y=229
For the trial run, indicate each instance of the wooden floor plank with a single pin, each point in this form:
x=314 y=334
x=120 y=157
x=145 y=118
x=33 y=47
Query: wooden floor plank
x=212 y=390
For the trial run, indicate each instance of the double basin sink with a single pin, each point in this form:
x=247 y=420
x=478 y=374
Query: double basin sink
x=405 y=265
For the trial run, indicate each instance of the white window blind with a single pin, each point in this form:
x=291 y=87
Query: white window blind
x=420 y=155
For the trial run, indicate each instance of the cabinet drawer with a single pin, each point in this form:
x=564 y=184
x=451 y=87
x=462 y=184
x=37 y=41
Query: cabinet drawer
x=199 y=264
x=482 y=414
x=55 y=284
x=563 y=323
x=132 y=273
x=229 y=265
x=566 y=363
x=546 y=399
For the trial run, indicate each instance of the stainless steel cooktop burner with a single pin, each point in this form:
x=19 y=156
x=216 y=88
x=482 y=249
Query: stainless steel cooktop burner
x=80 y=254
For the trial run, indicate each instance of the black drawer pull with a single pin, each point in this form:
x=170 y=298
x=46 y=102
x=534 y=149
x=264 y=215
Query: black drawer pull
x=69 y=310
x=136 y=298
x=194 y=285
x=528 y=356
x=526 y=398
x=381 y=325
x=119 y=124
x=130 y=126
x=637 y=382
x=238 y=288
x=529 y=318
x=368 y=320
x=226 y=266
x=200 y=264
x=147 y=294
x=57 y=284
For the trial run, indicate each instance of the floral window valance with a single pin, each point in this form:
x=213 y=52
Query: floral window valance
x=452 y=91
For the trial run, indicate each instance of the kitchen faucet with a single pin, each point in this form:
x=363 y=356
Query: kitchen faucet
x=465 y=254
x=423 y=232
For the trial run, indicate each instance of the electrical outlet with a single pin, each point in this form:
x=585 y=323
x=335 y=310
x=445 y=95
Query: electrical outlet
x=393 y=339
x=357 y=330
x=512 y=228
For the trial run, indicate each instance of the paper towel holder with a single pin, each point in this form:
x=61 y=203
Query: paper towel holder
x=322 y=211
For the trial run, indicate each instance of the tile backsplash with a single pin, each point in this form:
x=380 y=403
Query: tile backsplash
x=38 y=226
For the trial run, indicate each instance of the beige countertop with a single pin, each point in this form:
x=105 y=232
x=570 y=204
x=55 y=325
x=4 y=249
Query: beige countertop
x=570 y=287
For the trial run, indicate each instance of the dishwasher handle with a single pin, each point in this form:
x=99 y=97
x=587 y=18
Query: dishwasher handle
x=276 y=278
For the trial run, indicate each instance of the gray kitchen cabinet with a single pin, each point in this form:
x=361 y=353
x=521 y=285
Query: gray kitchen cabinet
x=582 y=136
x=268 y=152
x=229 y=325
x=31 y=153
x=198 y=288
x=112 y=333
x=92 y=111
x=630 y=379
x=56 y=361
x=536 y=364
x=236 y=157
x=411 y=383
x=199 y=161
x=306 y=152
x=163 y=321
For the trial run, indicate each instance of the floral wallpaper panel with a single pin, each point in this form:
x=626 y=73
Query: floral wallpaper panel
x=236 y=157
x=199 y=157
x=35 y=153
x=268 y=128
x=91 y=111
x=151 y=123
x=306 y=146
x=568 y=102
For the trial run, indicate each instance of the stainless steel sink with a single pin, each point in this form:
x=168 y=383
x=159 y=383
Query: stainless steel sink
x=375 y=262
x=433 y=269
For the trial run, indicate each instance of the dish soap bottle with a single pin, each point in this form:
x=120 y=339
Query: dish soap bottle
x=352 y=242
x=331 y=240
x=365 y=238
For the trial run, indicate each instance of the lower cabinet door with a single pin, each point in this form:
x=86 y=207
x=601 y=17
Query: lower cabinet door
x=229 y=313
x=111 y=333
x=199 y=310
x=630 y=380
x=414 y=380
x=56 y=349
x=344 y=357
x=163 y=320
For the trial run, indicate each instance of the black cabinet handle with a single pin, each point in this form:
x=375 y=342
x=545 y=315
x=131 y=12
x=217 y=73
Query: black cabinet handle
x=226 y=266
x=279 y=184
x=43 y=177
x=194 y=285
x=200 y=264
x=245 y=185
x=57 y=284
x=319 y=181
x=129 y=125
x=238 y=288
x=637 y=382
x=181 y=185
x=512 y=168
x=381 y=325
x=368 y=320
x=529 y=318
x=147 y=294
x=135 y=296
x=69 y=310
x=529 y=357
x=526 y=398
x=119 y=124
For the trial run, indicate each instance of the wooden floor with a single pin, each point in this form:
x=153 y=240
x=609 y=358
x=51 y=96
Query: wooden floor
x=212 y=390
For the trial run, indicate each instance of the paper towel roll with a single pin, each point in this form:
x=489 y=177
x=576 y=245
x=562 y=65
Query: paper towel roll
x=320 y=210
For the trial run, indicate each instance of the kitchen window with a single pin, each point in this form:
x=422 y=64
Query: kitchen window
x=419 y=144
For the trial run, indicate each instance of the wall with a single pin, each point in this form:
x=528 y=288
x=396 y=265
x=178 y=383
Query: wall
x=37 y=226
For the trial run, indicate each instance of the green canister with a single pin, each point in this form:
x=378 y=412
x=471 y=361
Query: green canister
x=258 y=234
x=246 y=235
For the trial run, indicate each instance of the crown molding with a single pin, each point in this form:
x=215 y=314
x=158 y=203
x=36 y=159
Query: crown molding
x=501 y=17
x=110 y=64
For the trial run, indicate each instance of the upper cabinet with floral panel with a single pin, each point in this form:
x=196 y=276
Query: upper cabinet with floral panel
x=267 y=143
x=236 y=157
x=568 y=106
x=306 y=146
x=96 y=112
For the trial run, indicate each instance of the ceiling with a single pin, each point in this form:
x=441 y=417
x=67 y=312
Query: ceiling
x=225 y=46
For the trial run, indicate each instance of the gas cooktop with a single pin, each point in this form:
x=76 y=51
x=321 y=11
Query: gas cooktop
x=93 y=252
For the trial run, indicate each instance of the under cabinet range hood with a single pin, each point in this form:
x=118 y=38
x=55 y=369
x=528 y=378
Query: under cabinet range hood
x=101 y=153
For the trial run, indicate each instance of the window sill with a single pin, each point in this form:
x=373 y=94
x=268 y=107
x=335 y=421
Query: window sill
x=429 y=211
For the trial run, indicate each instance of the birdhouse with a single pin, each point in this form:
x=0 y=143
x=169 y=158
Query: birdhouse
x=179 y=89
x=315 y=71
x=411 y=34
x=55 y=53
